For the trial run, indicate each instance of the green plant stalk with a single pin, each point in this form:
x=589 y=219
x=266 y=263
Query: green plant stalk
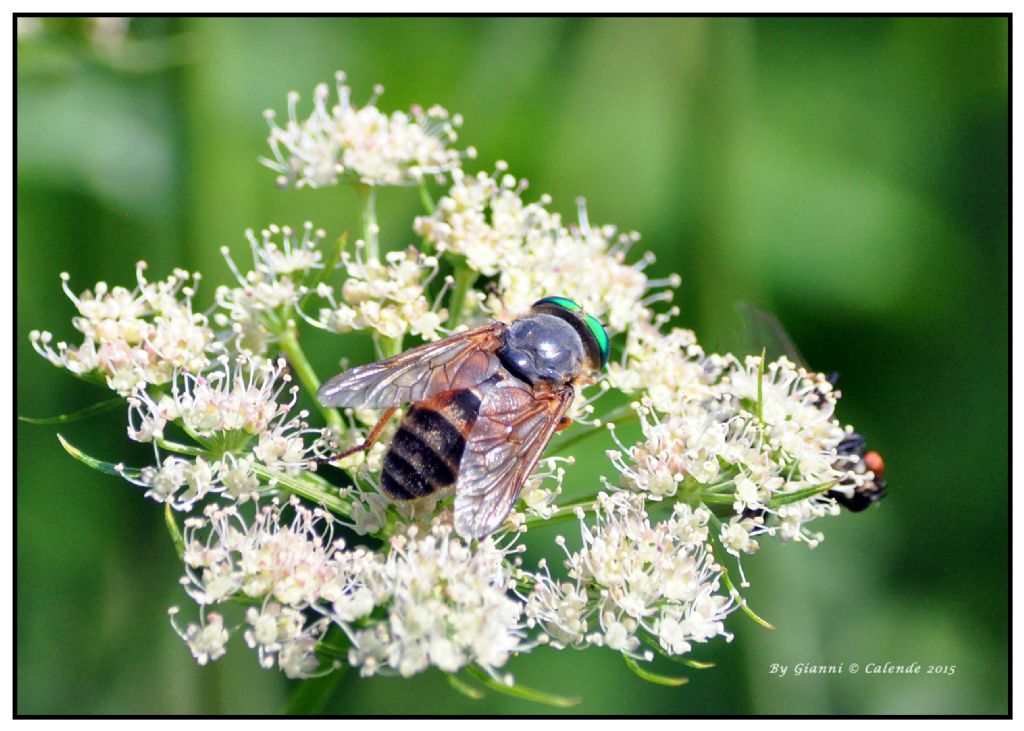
x=465 y=278
x=182 y=448
x=564 y=513
x=368 y=200
x=760 y=388
x=305 y=488
x=390 y=347
x=172 y=527
x=289 y=344
x=465 y=688
x=425 y=199
x=567 y=512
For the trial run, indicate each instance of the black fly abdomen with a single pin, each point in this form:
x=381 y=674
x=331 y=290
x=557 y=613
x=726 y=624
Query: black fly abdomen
x=425 y=453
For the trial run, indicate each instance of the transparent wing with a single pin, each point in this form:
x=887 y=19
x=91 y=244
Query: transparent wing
x=459 y=361
x=763 y=330
x=512 y=430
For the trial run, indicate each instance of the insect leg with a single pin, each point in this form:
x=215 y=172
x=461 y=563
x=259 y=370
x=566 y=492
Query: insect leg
x=366 y=443
x=563 y=423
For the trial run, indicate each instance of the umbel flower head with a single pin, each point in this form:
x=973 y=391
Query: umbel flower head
x=360 y=144
x=133 y=337
x=312 y=569
x=485 y=222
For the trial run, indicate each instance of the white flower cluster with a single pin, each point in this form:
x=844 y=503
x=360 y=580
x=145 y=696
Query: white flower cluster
x=760 y=438
x=360 y=144
x=265 y=295
x=634 y=582
x=484 y=220
x=441 y=603
x=133 y=337
x=235 y=407
x=449 y=605
x=282 y=566
x=387 y=297
x=664 y=365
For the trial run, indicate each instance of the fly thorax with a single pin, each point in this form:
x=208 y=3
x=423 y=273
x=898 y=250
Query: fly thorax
x=542 y=347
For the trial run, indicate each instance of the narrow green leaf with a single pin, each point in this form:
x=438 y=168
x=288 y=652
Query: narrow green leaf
x=74 y=416
x=795 y=497
x=520 y=691
x=465 y=688
x=715 y=499
x=652 y=677
x=107 y=468
x=743 y=602
x=696 y=664
x=652 y=641
x=172 y=527
x=181 y=448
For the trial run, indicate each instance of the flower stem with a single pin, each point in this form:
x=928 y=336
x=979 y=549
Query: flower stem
x=368 y=199
x=390 y=347
x=305 y=488
x=760 y=388
x=174 y=530
x=289 y=344
x=182 y=448
x=465 y=278
x=425 y=199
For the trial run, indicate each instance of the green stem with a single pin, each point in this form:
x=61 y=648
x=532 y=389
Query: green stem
x=564 y=513
x=567 y=511
x=760 y=388
x=465 y=688
x=175 y=531
x=182 y=448
x=289 y=344
x=390 y=347
x=305 y=487
x=465 y=278
x=425 y=199
x=371 y=232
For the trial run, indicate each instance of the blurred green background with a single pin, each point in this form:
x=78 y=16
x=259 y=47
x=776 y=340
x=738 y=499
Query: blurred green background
x=849 y=174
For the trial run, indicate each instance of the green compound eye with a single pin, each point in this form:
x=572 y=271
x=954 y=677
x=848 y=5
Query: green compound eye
x=563 y=302
x=601 y=336
x=593 y=326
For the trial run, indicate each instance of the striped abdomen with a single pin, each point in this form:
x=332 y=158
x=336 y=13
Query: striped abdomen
x=425 y=453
